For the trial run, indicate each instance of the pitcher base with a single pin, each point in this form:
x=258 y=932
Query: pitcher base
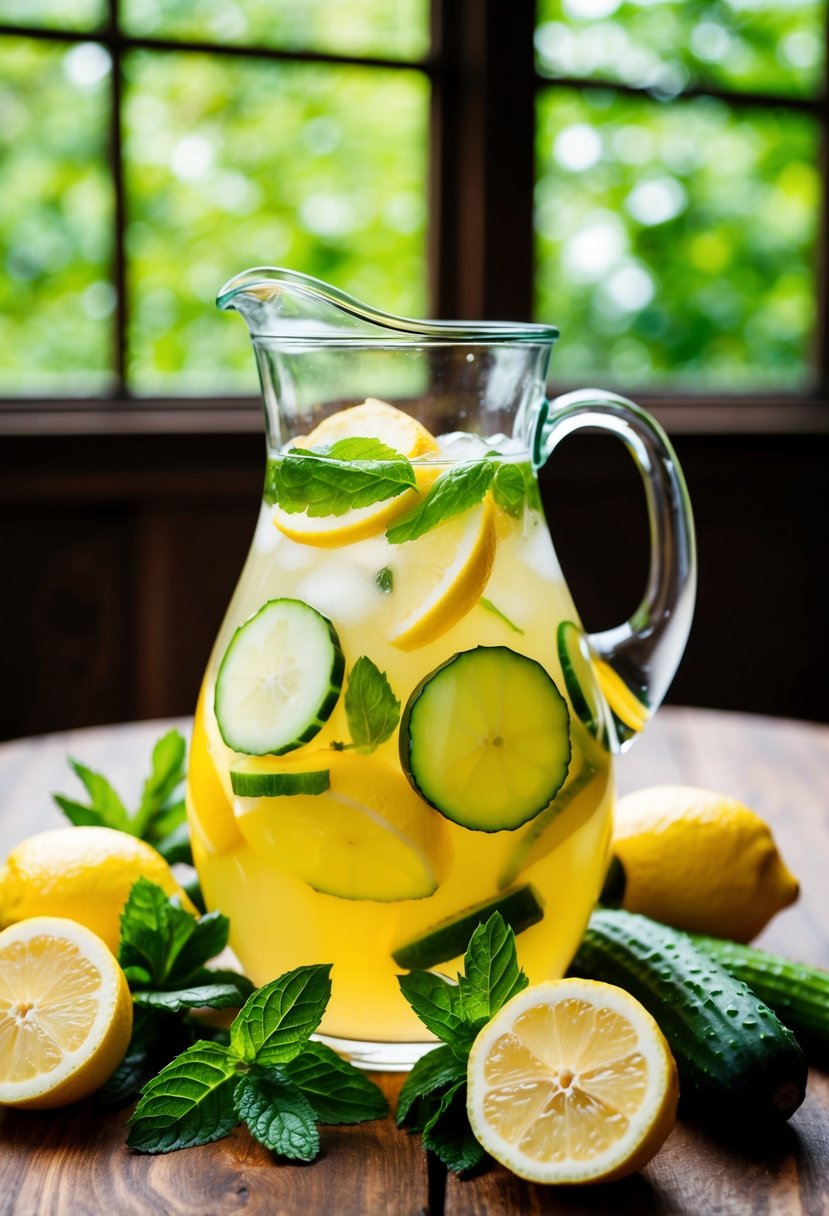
x=377 y=1057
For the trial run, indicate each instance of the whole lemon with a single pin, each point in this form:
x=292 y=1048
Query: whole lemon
x=700 y=860
x=84 y=874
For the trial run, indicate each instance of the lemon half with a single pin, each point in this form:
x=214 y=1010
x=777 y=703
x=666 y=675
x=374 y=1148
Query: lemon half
x=65 y=1013
x=572 y=1082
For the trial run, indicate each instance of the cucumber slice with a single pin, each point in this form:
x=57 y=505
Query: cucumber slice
x=279 y=680
x=485 y=739
x=580 y=678
x=275 y=785
x=449 y=938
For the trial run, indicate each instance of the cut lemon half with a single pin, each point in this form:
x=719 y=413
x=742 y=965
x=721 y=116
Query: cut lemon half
x=372 y=420
x=572 y=1082
x=440 y=576
x=368 y=836
x=65 y=1013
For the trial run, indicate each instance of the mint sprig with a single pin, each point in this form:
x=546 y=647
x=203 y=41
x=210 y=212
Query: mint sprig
x=164 y=952
x=433 y=1097
x=159 y=817
x=331 y=480
x=268 y=1076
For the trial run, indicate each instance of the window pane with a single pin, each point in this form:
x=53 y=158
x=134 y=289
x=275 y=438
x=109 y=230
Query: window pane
x=238 y=164
x=58 y=14
x=56 y=299
x=666 y=45
x=344 y=27
x=660 y=265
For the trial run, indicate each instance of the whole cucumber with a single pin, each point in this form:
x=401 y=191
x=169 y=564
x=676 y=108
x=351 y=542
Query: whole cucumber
x=736 y=1060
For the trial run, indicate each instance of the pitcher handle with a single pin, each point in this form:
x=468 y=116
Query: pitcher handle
x=635 y=662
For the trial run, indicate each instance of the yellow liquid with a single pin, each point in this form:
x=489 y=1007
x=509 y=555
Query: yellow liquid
x=277 y=920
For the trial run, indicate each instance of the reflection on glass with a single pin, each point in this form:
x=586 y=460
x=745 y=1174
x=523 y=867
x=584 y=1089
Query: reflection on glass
x=676 y=243
x=56 y=14
x=667 y=45
x=232 y=164
x=344 y=27
x=56 y=298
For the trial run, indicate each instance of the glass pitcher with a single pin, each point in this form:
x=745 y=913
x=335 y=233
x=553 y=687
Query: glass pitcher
x=403 y=726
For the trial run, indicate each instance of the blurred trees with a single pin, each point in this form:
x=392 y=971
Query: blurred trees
x=676 y=232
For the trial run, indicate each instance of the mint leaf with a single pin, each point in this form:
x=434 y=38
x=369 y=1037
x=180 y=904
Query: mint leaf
x=190 y=1102
x=491 y=971
x=455 y=491
x=160 y=817
x=385 y=580
x=371 y=707
x=437 y=1003
x=277 y=1115
x=166 y=775
x=349 y=474
x=276 y=1022
x=448 y=1134
x=439 y=1067
x=509 y=488
x=216 y=996
x=490 y=607
x=153 y=932
x=338 y=1092
x=105 y=808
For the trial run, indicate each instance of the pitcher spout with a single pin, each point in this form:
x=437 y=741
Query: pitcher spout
x=284 y=304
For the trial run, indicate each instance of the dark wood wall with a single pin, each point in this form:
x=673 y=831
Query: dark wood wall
x=120 y=553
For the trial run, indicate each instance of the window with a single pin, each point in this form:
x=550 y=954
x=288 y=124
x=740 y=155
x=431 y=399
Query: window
x=149 y=151
x=648 y=174
x=679 y=191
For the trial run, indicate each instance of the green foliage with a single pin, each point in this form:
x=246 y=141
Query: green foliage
x=341 y=27
x=677 y=242
x=668 y=45
x=676 y=237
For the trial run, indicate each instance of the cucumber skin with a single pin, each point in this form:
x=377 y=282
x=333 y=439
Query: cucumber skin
x=798 y=993
x=745 y=1066
x=449 y=938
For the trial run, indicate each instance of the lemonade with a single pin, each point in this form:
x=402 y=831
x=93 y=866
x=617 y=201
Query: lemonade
x=386 y=741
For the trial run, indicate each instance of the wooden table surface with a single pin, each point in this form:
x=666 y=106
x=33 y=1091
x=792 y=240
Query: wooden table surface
x=75 y=1162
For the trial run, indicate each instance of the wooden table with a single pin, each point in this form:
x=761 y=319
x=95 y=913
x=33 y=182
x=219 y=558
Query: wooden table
x=75 y=1162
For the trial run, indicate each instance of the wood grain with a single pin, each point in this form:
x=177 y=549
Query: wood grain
x=75 y=1162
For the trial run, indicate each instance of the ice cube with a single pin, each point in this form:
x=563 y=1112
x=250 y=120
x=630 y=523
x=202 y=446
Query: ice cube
x=340 y=591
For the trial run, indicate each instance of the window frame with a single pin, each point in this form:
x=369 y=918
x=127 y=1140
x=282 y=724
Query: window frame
x=484 y=85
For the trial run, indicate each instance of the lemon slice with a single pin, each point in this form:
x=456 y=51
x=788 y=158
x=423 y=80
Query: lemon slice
x=624 y=702
x=372 y=420
x=440 y=576
x=65 y=1013
x=572 y=1082
x=209 y=808
x=375 y=419
x=368 y=836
